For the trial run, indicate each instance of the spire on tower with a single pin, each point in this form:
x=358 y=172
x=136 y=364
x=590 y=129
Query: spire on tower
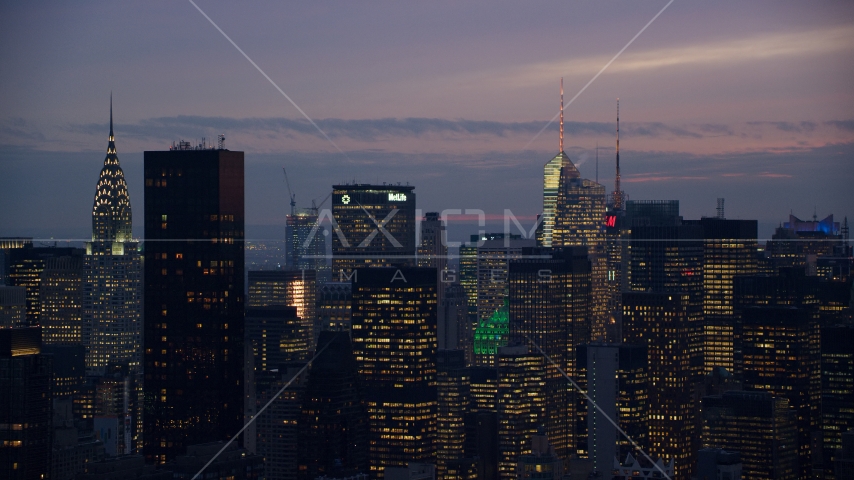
x=561 y=115
x=111 y=116
x=618 y=194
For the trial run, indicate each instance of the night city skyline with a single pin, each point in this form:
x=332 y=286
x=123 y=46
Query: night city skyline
x=338 y=241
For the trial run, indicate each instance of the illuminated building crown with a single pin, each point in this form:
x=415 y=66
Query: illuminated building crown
x=111 y=211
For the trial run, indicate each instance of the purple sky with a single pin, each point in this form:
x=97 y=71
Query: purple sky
x=750 y=101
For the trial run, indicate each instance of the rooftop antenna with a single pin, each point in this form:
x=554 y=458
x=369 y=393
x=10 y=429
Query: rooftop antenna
x=292 y=196
x=220 y=142
x=111 y=116
x=720 y=209
x=618 y=194
x=597 y=162
x=561 y=114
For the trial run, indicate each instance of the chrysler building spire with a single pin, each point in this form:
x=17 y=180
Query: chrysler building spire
x=111 y=211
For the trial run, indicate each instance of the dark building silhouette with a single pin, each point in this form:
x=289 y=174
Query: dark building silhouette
x=616 y=377
x=233 y=463
x=837 y=390
x=394 y=341
x=481 y=421
x=277 y=335
x=759 y=426
x=25 y=405
x=333 y=425
x=194 y=300
x=334 y=300
x=374 y=225
x=550 y=293
x=278 y=426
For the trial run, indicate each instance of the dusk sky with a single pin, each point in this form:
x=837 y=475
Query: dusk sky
x=751 y=101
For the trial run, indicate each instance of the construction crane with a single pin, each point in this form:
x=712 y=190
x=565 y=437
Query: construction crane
x=316 y=207
x=292 y=196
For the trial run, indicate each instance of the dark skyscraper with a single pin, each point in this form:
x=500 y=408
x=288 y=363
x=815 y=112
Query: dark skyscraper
x=333 y=427
x=194 y=327
x=374 y=226
x=550 y=291
x=837 y=389
x=615 y=377
x=25 y=405
x=394 y=341
x=759 y=426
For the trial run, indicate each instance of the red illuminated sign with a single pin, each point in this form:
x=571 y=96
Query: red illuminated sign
x=610 y=220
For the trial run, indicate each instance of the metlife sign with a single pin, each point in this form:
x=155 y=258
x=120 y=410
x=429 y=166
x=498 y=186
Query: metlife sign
x=396 y=197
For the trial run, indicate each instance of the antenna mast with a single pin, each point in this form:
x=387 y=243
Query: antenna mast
x=618 y=194
x=561 y=115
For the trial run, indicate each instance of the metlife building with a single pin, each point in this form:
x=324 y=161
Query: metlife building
x=372 y=226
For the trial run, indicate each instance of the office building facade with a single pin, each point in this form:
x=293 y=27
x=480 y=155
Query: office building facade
x=394 y=342
x=194 y=300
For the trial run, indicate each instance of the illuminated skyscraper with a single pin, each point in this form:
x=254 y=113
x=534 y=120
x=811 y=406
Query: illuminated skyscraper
x=759 y=426
x=555 y=170
x=394 y=342
x=493 y=259
x=729 y=249
x=780 y=355
x=661 y=322
x=26 y=264
x=492 y=334
x=468 y=280
x=293 y=288
x=453 y=384
x=194 y=300
x=112 y=280
x=574 y=215
x=306 y=243
x=520 y=403
x=550 y=305
x=60 y=296
x=373 y=226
